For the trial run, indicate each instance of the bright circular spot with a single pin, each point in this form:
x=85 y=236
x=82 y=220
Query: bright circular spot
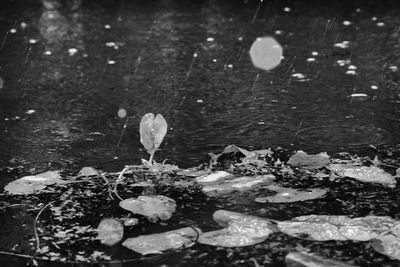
x=122 y=113
x=266 y=53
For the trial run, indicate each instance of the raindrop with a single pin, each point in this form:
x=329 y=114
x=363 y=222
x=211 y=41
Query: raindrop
x=29 y=112
x=344 y=44
x=240 y=38
x=107 y=26
x=358 y=10
x=47 y=53
x=380 y=24
x=199 y=101
x=287 y=9
x=13 y=30
x=346 y=23
x=351 y=72
x=230 y=66
x=374 y=87
x=352 y=67
x=314 y=53
x=210 y=39
x=122 y=113
x=298 y=75
x=278 y=32
x=111 y=62
x=110 y=44
x=393 y=68
x=374 y=18
x=32 y=41
x=85 y=55
x=266 y=53
x=214 y=60
x=72 y=51
x=23 y=25
x=310 y=59
x=359 y=95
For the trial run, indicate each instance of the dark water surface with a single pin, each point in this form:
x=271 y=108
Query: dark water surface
x=76 y=98
x=189 y=61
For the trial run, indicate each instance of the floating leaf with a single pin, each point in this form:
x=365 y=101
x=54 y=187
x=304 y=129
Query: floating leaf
x=242 y=230
x=330 y=227
x=388 y=245
x=88 y=171
x=238 y=184
x=157 y=243
x=214 y=177
x=33 y=183
x=311 y=162
x=285 y=195
x=152 y=131
x=371 y=174
x=152 y=207
x=110 y=231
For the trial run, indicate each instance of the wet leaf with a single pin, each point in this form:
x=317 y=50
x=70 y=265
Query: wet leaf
x=371 y=174
x=388 y=245
x=88 y=171
x=152 y=207
x=110 y=231
x=285 y=195
x=157 y=243
x=241 y=230
x=330 y=227
x=152 y=131
x=238 y=184
x=311 y=162
x=214 y=177
x=33 y=183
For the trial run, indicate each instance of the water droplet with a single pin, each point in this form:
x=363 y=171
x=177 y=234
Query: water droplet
x=278 y=32
x=351 y=72
x=314 y=53
x=393 y=68
x=199 y=101
x=230 y=66
x=13 y=30
x=29 y=112
x=266 y=53
x=287 y=9
x=380 y=24
x=298 y=75
x=110 y=44
x=310 y=59
x=374 y=87
x=122 y=113
x=346 y=23
x=72 y=51
x=111 y=62
x=23 y=25
x=214 y=60
x=107 y=26
x=374 y=18
x=352 y=67
x=210 y=39
x=358 y=10
x=344 y=44
x=32 y=41
x=47 y=53
x=240 y=38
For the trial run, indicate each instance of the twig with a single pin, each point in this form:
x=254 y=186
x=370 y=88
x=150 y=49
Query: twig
x=35 y=230
x=298 y=128
x=119 y=179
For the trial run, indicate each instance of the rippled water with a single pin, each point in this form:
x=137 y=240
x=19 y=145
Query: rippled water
x=210 y=100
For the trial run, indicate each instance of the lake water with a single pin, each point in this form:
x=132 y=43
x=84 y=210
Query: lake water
x=67 y=69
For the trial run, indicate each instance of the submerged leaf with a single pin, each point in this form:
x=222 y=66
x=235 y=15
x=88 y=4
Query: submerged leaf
x=152 y=131
x=291 y=195
x=365 y=174
x=152 y=207
x=311 y=162
x=157 y=243
x=33 y=183
x=110 y=231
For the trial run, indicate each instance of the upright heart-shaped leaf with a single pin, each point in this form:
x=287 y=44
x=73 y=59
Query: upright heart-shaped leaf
x=152 y=131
